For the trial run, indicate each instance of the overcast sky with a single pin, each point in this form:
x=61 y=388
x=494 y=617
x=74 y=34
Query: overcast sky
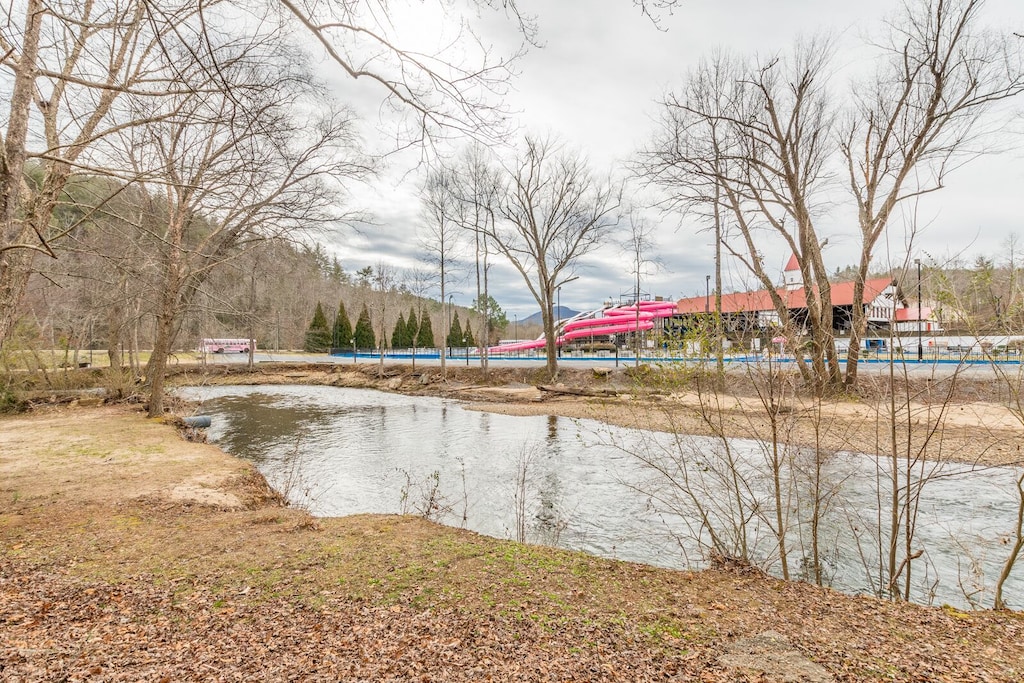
x=595 y=83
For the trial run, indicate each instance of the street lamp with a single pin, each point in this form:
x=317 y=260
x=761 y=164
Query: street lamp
x=920 y=346
x=448 y=334
x=464 y=343
x=353 y=350
x=707 y=294
x=558 y=319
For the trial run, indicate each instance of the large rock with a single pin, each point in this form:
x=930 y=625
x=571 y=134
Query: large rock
x=770 y=655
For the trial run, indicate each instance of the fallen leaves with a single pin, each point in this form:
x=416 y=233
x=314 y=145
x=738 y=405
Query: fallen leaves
x=199 y=593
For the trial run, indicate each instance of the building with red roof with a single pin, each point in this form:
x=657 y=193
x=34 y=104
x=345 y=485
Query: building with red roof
x=883 y=302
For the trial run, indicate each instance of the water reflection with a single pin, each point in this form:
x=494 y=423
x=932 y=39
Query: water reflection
x=581 y=485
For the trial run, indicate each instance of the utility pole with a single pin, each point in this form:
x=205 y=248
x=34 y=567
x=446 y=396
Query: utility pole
x=719 y=349
x=447 y=334
x=920 y=346
x=558 y=319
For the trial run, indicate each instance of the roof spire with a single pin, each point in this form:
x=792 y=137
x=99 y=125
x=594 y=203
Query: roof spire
x=792 y=275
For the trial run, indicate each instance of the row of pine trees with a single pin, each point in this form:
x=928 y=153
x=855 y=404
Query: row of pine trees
x=411 y=331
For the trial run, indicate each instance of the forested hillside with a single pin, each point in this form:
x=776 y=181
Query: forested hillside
x=104 y=289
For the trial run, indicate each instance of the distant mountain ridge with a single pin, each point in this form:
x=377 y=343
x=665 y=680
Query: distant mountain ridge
x=561 y=313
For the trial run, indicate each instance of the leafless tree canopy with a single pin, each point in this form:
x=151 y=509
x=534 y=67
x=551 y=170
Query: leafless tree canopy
x=750 y=137
x=228 y=162
x=478 y=187
x=446 y=93
x=553 y=213
x=441 y=233
x=209 y=140
x=69 y=67
x=759 y=140
x=927 y=111
x=83 y=75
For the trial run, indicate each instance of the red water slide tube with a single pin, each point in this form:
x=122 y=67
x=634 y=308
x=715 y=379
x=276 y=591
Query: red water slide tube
x=617 y=320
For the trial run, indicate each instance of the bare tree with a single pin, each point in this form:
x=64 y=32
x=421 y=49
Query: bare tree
x=927 y=112
x=554 y=213
x=750 y=138
x=1016 y=547
x=71 y=67
x=1010 y=377
x=384 y=282
x=226 y=168
x=419 y=281
x=71 y=64
x=100 y=265
x=477 y=186
x=639 y=245
x=440 y=239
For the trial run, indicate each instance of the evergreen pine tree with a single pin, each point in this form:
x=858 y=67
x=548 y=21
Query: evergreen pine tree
x=318 y=336
x=400 y=334
x=412 y=328
x=469 y=336
x=365 y=339
x=425 y=335
x=342 y=334
x=455 y=333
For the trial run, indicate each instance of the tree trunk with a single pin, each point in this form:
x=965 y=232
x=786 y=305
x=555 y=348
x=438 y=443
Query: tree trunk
x=826 y=334
x=1015 y=552
x=550 y=345
x=894 y=512
x=858 y=326
x=446 y=329
x=156 y=368
x=15 y=268
x=719 y=332
x=484 y=359
x=251 y=361
x=16 y=264
x=115 y=323
x=780 y=512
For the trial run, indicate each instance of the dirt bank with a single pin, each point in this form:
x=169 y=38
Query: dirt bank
x=127 y=553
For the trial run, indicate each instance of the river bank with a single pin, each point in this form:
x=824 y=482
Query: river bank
x=129 y=553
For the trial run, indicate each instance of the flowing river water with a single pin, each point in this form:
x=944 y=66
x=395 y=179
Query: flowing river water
x=621 y=493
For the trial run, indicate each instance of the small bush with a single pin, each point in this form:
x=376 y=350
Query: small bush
x=10 y=403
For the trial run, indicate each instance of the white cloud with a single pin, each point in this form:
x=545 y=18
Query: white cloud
x=596 y=83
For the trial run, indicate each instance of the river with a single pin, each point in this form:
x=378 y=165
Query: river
x=619 y=493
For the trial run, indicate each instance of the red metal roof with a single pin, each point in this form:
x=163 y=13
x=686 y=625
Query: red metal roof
x=760 y=300
x=791 y=264
x=909 y=314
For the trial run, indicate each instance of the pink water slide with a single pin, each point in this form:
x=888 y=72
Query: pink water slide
x=602 y=322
